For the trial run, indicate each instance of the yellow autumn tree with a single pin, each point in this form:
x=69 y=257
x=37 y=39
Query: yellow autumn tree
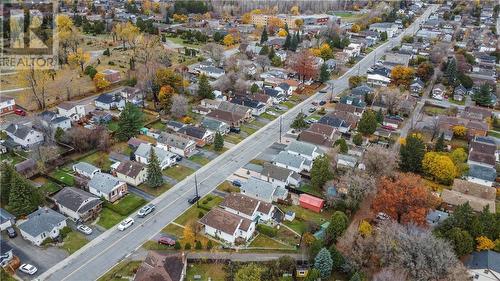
x=365 y=228
x=100 y=81
x=146 y=7
x=402 y=75
x=165 y=97
x=256 y=12
x=484 y=243
x=439 y=166
x=299 y=23
x=356 y=28
x=78 y=58
x=180 y=18
x=459 y=131
x=246 y=18
x=295 y=10
x=324 y=51
x=282 y=32
x=308 y=238
x=188 y=235
x=228 y=40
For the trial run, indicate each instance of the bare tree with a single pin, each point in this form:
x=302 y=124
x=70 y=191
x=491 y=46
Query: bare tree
x=179 y=106
x=439 y=52
x=356 y=185
x=380 y=161
x=241 y=86
x=36 y=80
x=223 y=84
x=263 y=61
x=215 y=52
x=392 y=98
x=45 y=154
x=390 y=274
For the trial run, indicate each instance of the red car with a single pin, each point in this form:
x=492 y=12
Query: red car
x=20 y=112
x=166 y=241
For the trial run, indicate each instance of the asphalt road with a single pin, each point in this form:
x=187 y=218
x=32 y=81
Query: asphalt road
x=100 y=255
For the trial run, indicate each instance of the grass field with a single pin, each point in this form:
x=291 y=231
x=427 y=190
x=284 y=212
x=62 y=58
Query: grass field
x=199 y=159
x=206 y=203
x=112 y=214
x=206 y=270
x=99 y=159
x=268 y=116
x=228 y=187
x=125 y=270
x=73 y=241
x=264 y=241
x=63 y=176
x=156 y=191
x=233 y=138
x=178 y=172
x=173 y=230
x=248 y=129
x=302 y=216
x=494 y=134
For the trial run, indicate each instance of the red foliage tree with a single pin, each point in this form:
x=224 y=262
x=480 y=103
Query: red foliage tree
x=303 y=64
x=404 y=198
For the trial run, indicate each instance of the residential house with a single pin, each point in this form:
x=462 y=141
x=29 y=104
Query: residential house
x=346 y=161
x=7 y=105
x=6 y=254
x=6 y=219
x=209 y=70
x=215 y=125
x=319 y=134
x=257 y=107
x=476 y=113
x=459 y=93
x=362 y=91
x=392 y=123
x=210 y=104
x=482 y=175
x=484 y=265
x=134 y=143
x=165 y=158
x=132 y=95
x=351 y=109
x=27 y=168
x=177 y=144
x=478 y=196
x=331 y=64
x=101 y=117
x=51 y=120
x=276 y=94
x=291 y=161
x=438 y=92
x=85 y=169
x=378 y=76
x=241 y=110
x=306 y=150
x=248 y=207
x=393 y=59
x=334 y=122
x=312 y=203
x=388 y=27
x=77 y=204
x=353 y=50
x=263 y=190
x=279 y=176
x=110 y=101
x=107 y=186
x=200 y=135
x=42 y=224
x=160 y=266
x=131 y=172
x=71 y=110
x=230 y=118
x=111 y=75
x=416 y=87
x=248 y=171
x=24 y=135
x=227 y=226
x=175 y=125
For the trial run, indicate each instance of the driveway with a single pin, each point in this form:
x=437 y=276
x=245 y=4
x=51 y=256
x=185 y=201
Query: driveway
x=141 y=193
x=169 y=180
x=42 y=258
x=208 y=154
x=96 y=231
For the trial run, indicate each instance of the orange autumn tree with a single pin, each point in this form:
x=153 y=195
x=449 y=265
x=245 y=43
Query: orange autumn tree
x=303 y=64
x=404 y=198
x=402 y=75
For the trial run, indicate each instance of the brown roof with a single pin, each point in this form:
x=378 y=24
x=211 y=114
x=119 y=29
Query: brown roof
x=264 y=207
x=224 y=221
x=482 y=158
x=479 y=110
x=161 y=267
x=322 y=129
x=240 y=203
x=474 y=189
x=315 y=138
x=482 y=147
x=476 y=125
x=348 y=117
x=345 y=107
x=225 y=116
x=130 y=168
x=456 y=198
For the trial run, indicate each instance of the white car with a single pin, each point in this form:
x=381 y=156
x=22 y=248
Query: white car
x=84 y=229
x=28 y=268
x=125 y=224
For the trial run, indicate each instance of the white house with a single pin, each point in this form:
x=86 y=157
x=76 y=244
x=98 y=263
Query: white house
x=388 y=27
x=247 y=207
x=279 y=176
x=374 y=79
x=292 y=161
x=42 y=224
x=24 y=135
x=71 y=110
x=484 y=265
x=165 y=158
x=263 y=190
x=131 y=172
x=227 y=226
x=110 y=101
x=6 y=219
x=107 y=186
x=176 y=144
x=353 y=50
x=304 y=149
x=7 y=105
x=85 y=169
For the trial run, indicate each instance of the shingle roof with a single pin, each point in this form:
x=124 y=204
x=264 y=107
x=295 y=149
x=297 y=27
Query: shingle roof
x=66 y=105
x=144 y=150
x=76 y=199
x=192 y=131
x=5 y=216
x=85 y=167
x=174 y=140
x=103 y=182
x=302 y=148
x=481 y=172
x=258 y=189
x=226 y=116
x=224 y=221
x=41 y=220
x=276 y=172
x=240 y=203
x=331 y=121
x=289 y=159
x=161 y=267
x=108 y=98
x=20 y=131
x=484 y=260
x=130 y=168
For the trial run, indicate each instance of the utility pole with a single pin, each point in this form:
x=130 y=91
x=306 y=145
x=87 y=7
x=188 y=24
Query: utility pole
x=196 y=188
x=281 y=126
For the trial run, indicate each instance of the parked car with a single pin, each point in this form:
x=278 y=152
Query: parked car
x=312 y=109
x=322 y=102
x=193 y=199
x=236 y=183
x=166 y=241
x=146 y=210
x=315 y=103
x=236 y=130
x=84 y=229
x=28 y=268
x=178 y=158
x=11 y=232
x=128 y=222
x=20 y=112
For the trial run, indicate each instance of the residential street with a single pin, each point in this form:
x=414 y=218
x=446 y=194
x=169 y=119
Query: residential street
x=101 y=254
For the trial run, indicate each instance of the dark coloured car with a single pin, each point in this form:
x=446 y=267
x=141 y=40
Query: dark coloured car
x=322 y=102
x=237 y=183
x=193 y=199
x=166 y=241
x=236 y=130
x=11 y=232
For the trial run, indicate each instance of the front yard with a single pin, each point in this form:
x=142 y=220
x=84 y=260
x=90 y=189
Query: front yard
x=112 y=214
x=73 y=241
x=199 y=159
x=228 y=187
x=156 y=191
x=178 y=172
x=125 y=270
x=206 y=203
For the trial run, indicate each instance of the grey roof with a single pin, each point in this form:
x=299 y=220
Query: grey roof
x=5 y=216
x=29 y=163
x=20 y=131
x=302 y=148
x=85 y=167
x=213 y=124
x=144 y=150
x=104 y=182
x=258 y=188
x=484 y=260
x=280 y=192
x=276 y=172
x=76 y=199
x=253 y=167
x=42 y=220
x=482 y=172
x=289 y=159
x=192 y=131
x=174 y=140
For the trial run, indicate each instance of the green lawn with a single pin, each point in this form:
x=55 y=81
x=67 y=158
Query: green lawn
x=257 y=123
x=12 y=158
x=173 y=230
x=99 y=159
x=302 y=216
x=288 y=104
x=112 y=214
x=156 y=191
x=211 y=148
x=113 y=126
x=199 y=159
x=263 y=241
x=49 y=188
x=309 y=189
x=178 y=172
x=109 y=218
x=233 y=138
x=63 y=176
x=248 y=129
x=228 y=187
x=124 y=270
x=155 y=246
x=158 y=125
x=73 y=241
x=268 y=116
x=213 y=270
x=206 y=203
x=494 y=134
x=180 y=41
x=457 y=102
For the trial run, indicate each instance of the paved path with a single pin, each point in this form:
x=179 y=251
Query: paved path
x=245 y=257
x=219 y=193
x=101 y=254
x=141 y=193
x=169 y=180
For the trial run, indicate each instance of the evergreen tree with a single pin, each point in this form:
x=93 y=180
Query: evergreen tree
x=451 y=72
x=130 y=122
x=324 y=74
x=483 y=96
x=411 y=154
x=356 y=277
x=320 y=172
x=440 y=145
x=368 y=123
x=294 y=44
x=337 y=258
x=342 y=144
x=297 y=36
x=264 y=50
x=338 y=224
x=380 y=116
x=254 y=88
x=299 y=122
x=23 y=197
x=461 y=240
x=357 y=139
x=6 y=174
x=271 y=53
x=288 y=42
x=263 y=36
x=154 y=178
x=323 y=262
x=204 y=88
x=313 y=275
x=383 y=36
x=218 y=142
x=167 y=19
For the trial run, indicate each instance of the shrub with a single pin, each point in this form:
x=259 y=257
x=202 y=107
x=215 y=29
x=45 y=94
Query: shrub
x=187 y=246
x=64 y=232
x=111 y=62
x=177 y=245
x=200 y=215
x=198 y=245
x=107 y=52
x=210 y=244
x=267 y=230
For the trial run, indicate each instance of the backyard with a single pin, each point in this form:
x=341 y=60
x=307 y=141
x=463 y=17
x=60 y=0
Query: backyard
x=303 y=216
x=64 y=175
x=214 y=271
x=99 y=159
